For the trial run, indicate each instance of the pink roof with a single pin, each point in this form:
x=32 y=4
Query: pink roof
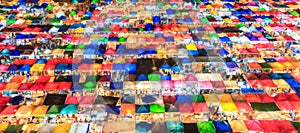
x=253 y=125
x=86 y=99
x=243 y=106
x=200 y=107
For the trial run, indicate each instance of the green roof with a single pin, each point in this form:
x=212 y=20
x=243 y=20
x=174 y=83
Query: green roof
x=264 y=106
x=206 y=127
x=157 y=108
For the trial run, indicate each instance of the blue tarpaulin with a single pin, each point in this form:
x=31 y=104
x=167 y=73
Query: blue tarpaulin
x=183 y=99
x=223 y=52
x=140 y=109
x=222 y=126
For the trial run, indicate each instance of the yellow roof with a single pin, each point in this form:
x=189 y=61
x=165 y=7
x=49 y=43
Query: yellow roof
x=40 y=111
x=227 y=20
x=281 y=83
x=2 y=17
x=62 y=128
x=79 y=29
x=3 y=127
x=288 y=65
x=211 y=98
x=161 y=51
x=276 y=65
x=229 y=107
x=28 y=128
x=25 y=110
x=37 y=67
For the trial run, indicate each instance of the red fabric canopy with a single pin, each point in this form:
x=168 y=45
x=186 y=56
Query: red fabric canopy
x=51 y=86
x=64 y=85
x=243 y=106
x=266 y=98
x=200 y=107
x=280 y=97
x=169 y=99
x=2 y=85
x=43 y=79
x=285 y=126
x=250 y=76
x=254 y=65
x=253 y=125
x=10 y=110
x=4 y=100
x=38 y=86
x=71 y=100
x=252 y=97
x=292 y=97
x=269 y=126
x=285 y=105
x=25 y=86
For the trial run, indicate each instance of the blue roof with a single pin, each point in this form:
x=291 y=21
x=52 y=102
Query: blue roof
x=222 y=126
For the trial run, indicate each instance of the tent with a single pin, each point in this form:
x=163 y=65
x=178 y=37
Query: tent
x=69 y=109
x=40 y=111
x=10 y=110
x=159 y=127
x=79 y=127
x=264 y=106
x=24 y=110
x=157 y=108
x=174 y=126
x=206 y=127
x=243 y=107
x=127 y=109
x=62 y=128
x=54 y=110
x=222 y=126
x=14 y=129
x=253 y=125
x=238 y=126
x=229 y=107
